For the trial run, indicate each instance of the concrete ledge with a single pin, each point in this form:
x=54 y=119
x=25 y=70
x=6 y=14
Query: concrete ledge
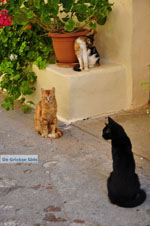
x=81 y=95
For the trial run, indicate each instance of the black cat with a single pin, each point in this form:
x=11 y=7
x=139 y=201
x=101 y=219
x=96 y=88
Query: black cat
x=123 y=184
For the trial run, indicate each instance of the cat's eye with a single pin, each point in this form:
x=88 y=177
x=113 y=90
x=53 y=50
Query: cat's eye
x=88 y=41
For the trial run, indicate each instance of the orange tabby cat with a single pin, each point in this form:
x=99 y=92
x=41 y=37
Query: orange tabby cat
x=45 y=119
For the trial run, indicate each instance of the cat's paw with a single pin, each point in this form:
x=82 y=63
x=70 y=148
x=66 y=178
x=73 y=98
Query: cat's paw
x=86 y=69
x=51 y=135
x=44 y=135
x=81 y=69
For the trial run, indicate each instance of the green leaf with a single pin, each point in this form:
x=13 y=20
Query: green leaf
x=22 y=100
x=26 y=109
x=40 y=63
x=29 y=15
x=31 y=77
x=102 y=20
x=25 y=88
x=52 y=60
x=92 y=25
x=20 y=21
x=36 y=3
x=53 y=3
x=9 y=102
x=7 y=99
x=16 y=94
x=46 y=19
x=70 y=25
x=67 y=4
x=24 y=47
x=15 y=77
x=6 y=106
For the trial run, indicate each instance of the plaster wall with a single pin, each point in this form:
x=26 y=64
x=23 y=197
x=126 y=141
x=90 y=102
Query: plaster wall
x=114 y=39
x=124 y=46
x=100 y=91
x=140 y=51
x=47 y=79
x=125 y=39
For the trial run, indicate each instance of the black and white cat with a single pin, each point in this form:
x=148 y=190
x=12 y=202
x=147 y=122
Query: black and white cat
x=123 y=184
x=86 y=53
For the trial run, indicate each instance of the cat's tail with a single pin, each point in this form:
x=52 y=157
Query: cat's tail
x=77 y=67
x=57 y=134
x=139 y=199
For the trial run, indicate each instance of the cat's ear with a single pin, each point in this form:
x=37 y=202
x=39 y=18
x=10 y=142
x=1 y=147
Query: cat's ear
x=42 y=90
x=53 y=90
x=92 y=32
x=110 y=120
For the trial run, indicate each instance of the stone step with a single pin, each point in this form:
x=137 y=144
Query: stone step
x=80 y=95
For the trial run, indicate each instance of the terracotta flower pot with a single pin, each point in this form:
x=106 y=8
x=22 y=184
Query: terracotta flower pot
x=64 y=46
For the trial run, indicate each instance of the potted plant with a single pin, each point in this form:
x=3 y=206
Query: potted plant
x=63 y=20
x=20 y=48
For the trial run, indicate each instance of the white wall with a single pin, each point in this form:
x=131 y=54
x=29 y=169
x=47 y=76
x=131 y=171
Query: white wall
x=125 y=39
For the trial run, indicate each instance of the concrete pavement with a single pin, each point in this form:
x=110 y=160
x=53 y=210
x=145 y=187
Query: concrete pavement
x=68 y=185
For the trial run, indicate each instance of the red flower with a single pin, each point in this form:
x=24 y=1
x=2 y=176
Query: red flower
x=5 y=19
x=2 y=1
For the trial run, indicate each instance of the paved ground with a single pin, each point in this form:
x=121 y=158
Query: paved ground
x=68 y=185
